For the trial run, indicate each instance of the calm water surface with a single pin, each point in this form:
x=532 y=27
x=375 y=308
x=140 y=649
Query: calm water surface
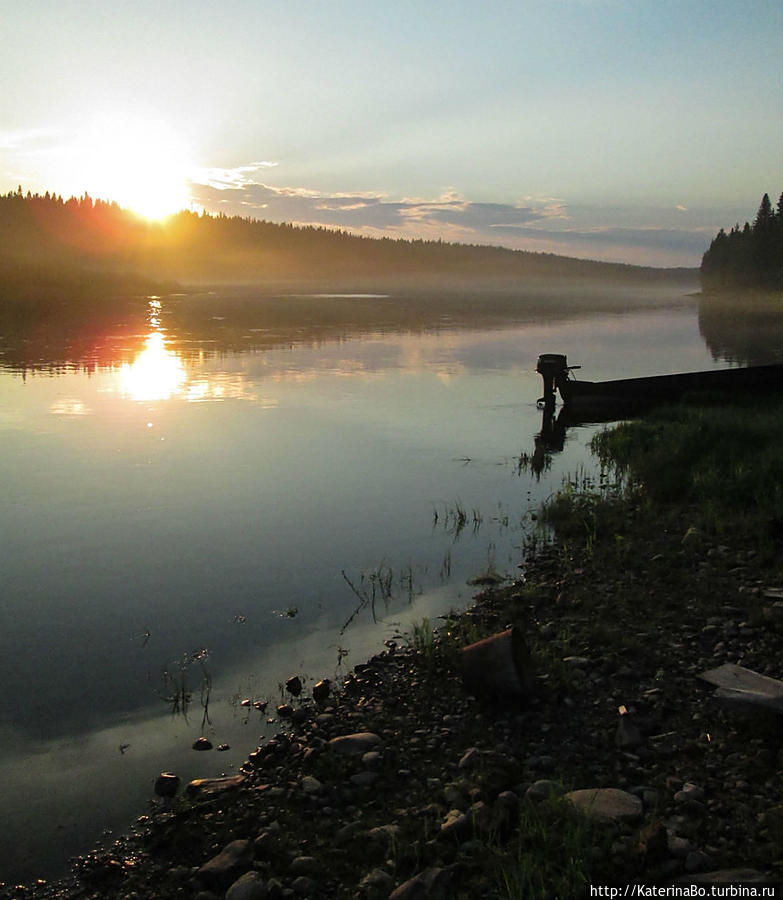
x=190 y=517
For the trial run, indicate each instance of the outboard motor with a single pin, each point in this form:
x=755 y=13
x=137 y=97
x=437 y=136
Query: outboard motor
x=551 y=367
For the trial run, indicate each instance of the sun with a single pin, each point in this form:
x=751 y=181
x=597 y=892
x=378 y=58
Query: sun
x=141 y=165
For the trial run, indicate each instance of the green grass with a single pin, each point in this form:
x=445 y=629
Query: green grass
x=423 y=639
x=556 y=853
x=726 y=460
x=584 y=514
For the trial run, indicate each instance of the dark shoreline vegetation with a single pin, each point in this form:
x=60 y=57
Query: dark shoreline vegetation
x=48 y=238
x=748 y=257
x=668 y=566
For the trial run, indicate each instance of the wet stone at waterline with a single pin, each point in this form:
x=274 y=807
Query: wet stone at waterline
x=294 y=685
x=166 y=784
x=321 y=691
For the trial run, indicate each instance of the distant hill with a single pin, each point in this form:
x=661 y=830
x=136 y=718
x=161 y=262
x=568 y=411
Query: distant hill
x=751 y=256
x=101 y=246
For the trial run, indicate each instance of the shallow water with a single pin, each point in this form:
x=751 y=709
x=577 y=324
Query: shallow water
x=185 y=514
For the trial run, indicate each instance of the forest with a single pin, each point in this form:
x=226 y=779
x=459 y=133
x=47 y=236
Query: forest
x=751 y=256
x=82 y=245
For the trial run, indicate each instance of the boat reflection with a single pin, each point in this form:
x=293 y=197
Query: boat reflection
x=551 y=439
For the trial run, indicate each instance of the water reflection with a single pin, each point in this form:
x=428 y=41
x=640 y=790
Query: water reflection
x=551 y=439
x=745 y=330
x=155 y=374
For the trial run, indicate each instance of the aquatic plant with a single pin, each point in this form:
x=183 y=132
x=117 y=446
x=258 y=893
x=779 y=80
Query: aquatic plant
x=177 y=684
x=379 y=584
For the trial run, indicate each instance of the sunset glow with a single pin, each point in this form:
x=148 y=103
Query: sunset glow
x=601 y=129
x=140 y=165
x=155 y=374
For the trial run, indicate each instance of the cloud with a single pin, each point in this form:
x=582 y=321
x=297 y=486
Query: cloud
x=224 y=179
x=233 y=192
x=545 y=225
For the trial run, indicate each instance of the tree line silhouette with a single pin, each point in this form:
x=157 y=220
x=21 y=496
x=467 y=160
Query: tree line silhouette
x=749 y=256
x=86 y=244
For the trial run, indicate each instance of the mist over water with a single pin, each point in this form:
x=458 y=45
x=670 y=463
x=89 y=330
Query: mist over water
x=198 y=497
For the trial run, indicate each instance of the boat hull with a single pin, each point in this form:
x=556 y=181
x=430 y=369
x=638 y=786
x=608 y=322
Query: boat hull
x=639 y=393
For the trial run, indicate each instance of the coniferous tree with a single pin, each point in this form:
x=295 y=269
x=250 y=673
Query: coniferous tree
x=750 y=256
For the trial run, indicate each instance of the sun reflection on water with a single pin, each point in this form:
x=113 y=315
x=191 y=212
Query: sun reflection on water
x=155 y=374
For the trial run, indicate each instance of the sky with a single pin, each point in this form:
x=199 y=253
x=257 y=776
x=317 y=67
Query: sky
x=624 y=130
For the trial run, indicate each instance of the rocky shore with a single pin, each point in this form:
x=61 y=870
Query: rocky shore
x=621 y=765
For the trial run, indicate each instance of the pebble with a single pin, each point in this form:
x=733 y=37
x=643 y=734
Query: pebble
x=311 y=785
x=364 y=779
x=250 y=886
x=321 y=691
x=304 y=886
x=377 y=881
x=355 y=744
x=167 y=784
x=455 y=824
x=697 y=861
x=371 y=759
x=470 y=759
x=303 y=864
x=294 y=685
x=543 y=790
x=233 y=857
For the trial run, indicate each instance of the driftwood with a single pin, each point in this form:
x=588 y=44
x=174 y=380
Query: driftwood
x=746 y=687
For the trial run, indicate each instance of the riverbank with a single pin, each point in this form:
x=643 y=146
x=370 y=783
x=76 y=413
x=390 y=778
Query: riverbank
x=452 y=795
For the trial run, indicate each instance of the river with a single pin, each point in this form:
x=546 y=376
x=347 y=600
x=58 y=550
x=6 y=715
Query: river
x=193 y=514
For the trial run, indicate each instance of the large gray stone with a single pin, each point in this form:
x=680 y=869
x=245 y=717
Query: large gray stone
x=607 y=804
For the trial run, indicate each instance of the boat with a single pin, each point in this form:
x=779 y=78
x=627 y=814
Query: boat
x=636 y=394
